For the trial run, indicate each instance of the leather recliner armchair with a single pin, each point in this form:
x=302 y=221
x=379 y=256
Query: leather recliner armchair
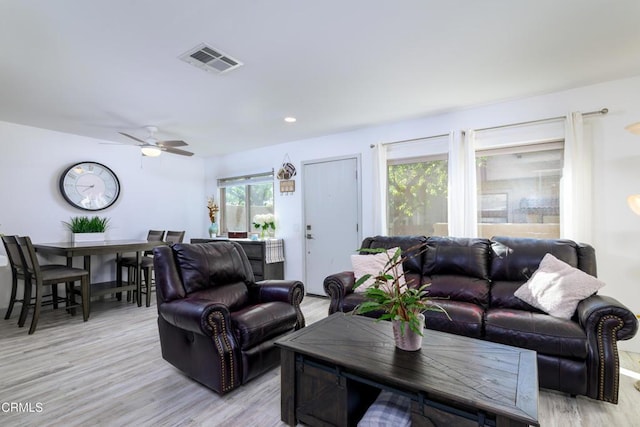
x=216 y=324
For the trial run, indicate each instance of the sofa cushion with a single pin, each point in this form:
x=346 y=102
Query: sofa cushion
x=502 y=296
x=535 y=331
x=557 y=288
x=232 y=295
x=258 y=323
x=466 y=318
x=412 y=249
x=373 y=265
x=205 y=265
x=459 y=256
x=516 y=259
x=458 y=288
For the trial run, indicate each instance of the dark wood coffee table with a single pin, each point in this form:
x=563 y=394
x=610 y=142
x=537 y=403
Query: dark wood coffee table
x=333 y=369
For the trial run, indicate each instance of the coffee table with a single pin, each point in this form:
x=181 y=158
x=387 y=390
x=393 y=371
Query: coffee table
x=333 y=369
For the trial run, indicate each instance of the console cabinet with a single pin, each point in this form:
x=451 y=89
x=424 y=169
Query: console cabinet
x=256 y=252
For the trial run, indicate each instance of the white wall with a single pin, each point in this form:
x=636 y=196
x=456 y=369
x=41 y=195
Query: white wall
x=167 y=192
x=616 y=229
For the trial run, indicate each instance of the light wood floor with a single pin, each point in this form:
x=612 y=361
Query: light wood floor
x=109 y=372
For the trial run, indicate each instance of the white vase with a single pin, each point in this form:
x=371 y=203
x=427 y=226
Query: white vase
x=407 y=339
x=87 y=237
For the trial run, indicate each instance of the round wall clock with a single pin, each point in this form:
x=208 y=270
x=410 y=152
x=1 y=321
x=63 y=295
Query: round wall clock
x=90 y=186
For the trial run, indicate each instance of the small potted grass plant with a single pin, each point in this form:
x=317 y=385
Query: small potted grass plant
x=87 y=229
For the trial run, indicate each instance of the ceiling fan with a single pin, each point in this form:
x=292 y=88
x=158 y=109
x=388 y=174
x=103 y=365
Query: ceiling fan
x=152 y=147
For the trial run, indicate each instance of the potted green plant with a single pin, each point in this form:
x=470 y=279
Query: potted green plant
x=399 y=302
x=86 y=229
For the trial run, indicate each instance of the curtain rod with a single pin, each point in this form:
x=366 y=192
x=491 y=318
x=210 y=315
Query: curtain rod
x=550 y=119
x=411 y=140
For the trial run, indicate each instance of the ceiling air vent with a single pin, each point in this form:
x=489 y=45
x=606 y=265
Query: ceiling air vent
x=210 y=59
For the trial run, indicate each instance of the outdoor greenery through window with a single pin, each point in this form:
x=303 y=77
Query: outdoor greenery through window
x=417 y=192
x=518 y=190
x=241 y=198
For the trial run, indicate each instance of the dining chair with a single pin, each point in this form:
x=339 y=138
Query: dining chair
x=52 y=275
x=172 y=237
x=17 y=270
x=17 y=273
x=130 y=262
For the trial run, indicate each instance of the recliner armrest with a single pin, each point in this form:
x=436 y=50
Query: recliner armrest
x=289 y=291
x=605 y=321
x=337 y=286
x=195 y=315
x=591 y=312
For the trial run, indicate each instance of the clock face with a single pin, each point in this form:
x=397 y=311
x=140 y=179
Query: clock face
x=90 y=186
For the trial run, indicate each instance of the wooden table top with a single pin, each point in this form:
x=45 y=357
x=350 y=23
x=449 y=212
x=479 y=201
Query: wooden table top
x=96 y=248
x=490 y=376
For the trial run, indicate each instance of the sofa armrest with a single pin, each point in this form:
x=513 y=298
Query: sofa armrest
x=596 y=309
x=289 y=291
x=196 y=315
x=605 y=321
x=337 y=286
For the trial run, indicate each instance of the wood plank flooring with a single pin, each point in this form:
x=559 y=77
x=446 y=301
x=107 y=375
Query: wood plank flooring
x=109 y=372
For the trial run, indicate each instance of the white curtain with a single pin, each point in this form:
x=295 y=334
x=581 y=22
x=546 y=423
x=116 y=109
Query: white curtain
x=577 y=182
x=462 y=203
x=380 y=189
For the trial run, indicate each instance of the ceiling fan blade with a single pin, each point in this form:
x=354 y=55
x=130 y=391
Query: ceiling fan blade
x=173 y=143
x=132 y=137
x=176 y=151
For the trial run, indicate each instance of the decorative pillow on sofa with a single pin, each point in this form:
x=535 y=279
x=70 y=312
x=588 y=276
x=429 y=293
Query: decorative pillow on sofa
x=373 y=264
x=557 y=288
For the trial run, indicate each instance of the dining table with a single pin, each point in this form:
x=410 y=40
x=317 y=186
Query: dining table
x=69 y=250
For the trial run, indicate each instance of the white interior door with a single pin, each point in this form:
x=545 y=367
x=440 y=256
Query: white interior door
x=332 y=217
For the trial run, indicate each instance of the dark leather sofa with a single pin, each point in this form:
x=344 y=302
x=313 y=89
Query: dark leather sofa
x=478 y=278
x=216 y=324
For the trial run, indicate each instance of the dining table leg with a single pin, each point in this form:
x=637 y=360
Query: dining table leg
x=139 y=278
x=87 y=267
x=119 y=275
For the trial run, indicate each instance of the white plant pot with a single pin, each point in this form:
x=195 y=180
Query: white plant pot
x=87 y=237
x=405 y=338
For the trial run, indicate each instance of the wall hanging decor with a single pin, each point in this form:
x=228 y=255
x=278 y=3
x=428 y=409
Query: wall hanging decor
x=285 y=174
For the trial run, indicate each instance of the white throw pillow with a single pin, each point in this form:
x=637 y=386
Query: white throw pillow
x=373 y=264
x=557 y=288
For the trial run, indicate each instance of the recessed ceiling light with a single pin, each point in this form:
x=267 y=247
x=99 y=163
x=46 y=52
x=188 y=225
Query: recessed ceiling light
x=290 y=119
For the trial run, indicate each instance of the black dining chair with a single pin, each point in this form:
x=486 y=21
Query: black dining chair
x=17 y=273
x=17 y=270
x=52 y=275
x=146 y=262
x=171 y=238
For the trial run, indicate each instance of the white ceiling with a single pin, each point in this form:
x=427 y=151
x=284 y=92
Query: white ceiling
x=99 y=67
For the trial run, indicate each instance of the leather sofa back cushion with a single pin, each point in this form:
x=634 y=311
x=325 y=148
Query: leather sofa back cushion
x=455 y=255
x=518 y=258
x=206 y=265
x=458 y=288
x=233 y=295
x=502 y=297
x=413 y=258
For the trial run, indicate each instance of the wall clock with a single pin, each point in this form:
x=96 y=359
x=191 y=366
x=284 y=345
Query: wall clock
x=89 y=186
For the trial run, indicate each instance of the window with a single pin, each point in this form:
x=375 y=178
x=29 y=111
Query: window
x=241 y=198
x=416 y=196
x=417 y=186
x=518 y=190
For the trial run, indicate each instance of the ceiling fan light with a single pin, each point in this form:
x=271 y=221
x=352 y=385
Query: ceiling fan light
x=151 y=151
